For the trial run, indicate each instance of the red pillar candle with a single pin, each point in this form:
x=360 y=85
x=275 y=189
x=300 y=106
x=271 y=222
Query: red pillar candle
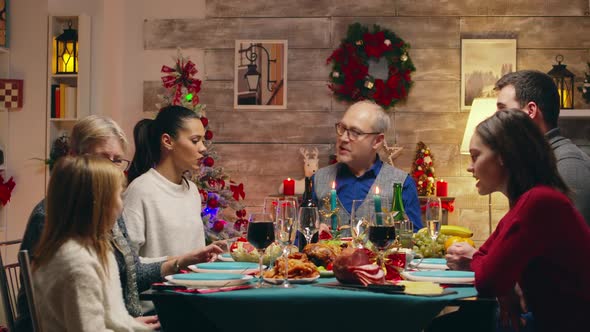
x=442 y=188
x=289 y=187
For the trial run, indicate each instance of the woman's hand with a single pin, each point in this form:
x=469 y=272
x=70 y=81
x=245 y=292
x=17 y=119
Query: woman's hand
x=512 y=306
x=206 y=254
x=459 y=256
x=150 y=321
x=222 y=244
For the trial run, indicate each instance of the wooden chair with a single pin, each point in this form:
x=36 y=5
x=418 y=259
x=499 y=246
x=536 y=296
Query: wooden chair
x=9 y=285
x=25 y=265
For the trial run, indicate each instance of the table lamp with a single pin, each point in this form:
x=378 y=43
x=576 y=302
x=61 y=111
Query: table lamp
x=481 y=109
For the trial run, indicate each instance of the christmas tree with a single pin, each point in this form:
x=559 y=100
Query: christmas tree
x=585 y=88
x=423 y=170
x=217 y=190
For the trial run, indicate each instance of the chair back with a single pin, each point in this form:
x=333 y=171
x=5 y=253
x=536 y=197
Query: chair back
x=25 y=265
x=9 y=285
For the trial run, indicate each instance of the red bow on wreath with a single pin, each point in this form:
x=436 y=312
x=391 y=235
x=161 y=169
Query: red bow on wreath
x=179 y=77
x=6 y=189
x=238 y=190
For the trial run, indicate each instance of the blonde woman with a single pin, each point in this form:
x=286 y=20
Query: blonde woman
x=75 y=273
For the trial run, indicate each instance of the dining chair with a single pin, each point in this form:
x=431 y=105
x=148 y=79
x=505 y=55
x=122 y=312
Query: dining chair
x=9 y=285
x=25 y=265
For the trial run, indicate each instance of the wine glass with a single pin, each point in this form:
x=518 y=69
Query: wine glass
x=270 y=206
x=359 y=224
x=261 y=234
x=433 y=218
x=286 y=231
x=309 y=222
x=381 y=234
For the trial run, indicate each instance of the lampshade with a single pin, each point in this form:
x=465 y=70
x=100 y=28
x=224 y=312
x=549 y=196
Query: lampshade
x=481 y=109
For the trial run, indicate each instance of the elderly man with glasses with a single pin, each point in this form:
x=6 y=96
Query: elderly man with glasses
x=360 y=134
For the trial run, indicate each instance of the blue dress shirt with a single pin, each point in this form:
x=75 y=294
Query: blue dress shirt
x=350 y=187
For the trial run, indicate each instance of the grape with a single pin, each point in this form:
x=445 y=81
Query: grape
x=424 y=245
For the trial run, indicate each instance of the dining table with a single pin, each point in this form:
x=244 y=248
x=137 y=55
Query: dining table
x=319 y=306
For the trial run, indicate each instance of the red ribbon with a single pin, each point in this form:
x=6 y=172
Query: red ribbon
x=179 y=77
x=6 y=189
x=238 y=190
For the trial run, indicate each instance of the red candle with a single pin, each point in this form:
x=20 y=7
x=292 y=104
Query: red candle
x=289 y=187
x=442 y=188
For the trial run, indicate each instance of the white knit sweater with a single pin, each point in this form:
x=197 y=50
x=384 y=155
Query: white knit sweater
x=74 y=293
x=163 y=218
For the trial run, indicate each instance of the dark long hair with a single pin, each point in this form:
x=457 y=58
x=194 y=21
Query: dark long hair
x=524 y=151
x=148 y=133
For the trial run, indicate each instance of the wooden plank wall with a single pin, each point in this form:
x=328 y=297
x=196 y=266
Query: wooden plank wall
x=260 y=147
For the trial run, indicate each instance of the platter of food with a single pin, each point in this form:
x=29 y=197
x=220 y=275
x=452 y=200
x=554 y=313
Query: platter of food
x=278 y=281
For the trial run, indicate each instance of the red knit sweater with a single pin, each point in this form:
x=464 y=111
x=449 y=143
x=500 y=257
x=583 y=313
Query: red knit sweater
x=542 y=243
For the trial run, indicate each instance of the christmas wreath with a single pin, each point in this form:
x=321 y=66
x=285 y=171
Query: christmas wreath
x=350 y=78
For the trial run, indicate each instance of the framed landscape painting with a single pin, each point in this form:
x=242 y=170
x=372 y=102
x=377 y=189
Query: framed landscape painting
x=483 y=62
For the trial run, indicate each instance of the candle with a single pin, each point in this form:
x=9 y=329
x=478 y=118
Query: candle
x=333 y=205
x=289 y=187
x=442 y=188
x=377 y=201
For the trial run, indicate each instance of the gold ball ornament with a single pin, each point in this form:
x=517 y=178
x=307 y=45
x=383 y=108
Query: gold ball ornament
x=404 y=57
x=369 y=84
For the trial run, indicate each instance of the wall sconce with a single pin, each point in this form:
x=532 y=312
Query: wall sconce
x=252 y=75
x=564 y=80
x=66 y=51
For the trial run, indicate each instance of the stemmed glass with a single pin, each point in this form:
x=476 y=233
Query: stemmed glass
x=261 y=234
x=433 y=218
x=270 y=206
x=286 y=232
x=359 y=224
x=309 y=222
x=381 y=234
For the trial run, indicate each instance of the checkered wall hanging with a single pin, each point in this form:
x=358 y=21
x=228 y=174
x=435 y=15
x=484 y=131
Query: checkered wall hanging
x=11 y=94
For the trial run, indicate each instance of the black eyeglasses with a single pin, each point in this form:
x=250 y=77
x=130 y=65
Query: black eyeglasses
x=353 y=134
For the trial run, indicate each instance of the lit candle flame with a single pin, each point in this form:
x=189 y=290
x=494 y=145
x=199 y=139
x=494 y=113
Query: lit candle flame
x=288 y=179
x=376 y=190
x=333 y=184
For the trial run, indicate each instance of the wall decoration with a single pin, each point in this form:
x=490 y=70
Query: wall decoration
x=372 y=65
x=4 y=23
x=260 y=74
x=11 y=94
x=483 y=62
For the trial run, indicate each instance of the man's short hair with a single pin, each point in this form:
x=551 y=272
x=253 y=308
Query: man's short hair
x=381 y=120
x=535 y=86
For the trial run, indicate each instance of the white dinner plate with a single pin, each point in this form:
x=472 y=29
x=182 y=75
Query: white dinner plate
x=226 y=267
x=225 y=258
x=277 y=281
x=208 y=279
x=430 y=264
x=442 y=277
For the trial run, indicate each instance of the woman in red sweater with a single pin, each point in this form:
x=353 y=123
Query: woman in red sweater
x=542 y=245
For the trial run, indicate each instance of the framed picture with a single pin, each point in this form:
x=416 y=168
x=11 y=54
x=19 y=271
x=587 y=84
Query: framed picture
x=260 y=74
x=3 y=23
x=483 y=62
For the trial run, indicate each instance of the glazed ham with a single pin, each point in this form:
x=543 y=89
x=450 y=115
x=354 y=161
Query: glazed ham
x=353 y=266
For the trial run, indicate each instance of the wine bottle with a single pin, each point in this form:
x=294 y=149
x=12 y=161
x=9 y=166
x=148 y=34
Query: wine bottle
x=307 y=201
x=401 y=221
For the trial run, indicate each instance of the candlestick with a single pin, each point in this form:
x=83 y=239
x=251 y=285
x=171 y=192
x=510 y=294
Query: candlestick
x=289 y=187
x=442 y=188
x=333 y=206
x=377 y=201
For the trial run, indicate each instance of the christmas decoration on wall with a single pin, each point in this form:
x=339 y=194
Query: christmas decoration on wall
x=585 y=88
x=391 y=152
x=423 y=170
x=218 y=191
x=351 y=78
x=6 y=188
x=11 y=94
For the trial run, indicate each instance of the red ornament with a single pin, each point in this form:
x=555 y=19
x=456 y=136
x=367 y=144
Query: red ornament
x=219 y=225
x=204 y=121
x=213 y=203
x=208 y=161
x=6 y=189
x=208 y=135
x=241 y=213
x=241 y=225
x=211 y=182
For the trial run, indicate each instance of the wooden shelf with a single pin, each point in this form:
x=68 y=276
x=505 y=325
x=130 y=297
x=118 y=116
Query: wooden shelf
x=575 y=113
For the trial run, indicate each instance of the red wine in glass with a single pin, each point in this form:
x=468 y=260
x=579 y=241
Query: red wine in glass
x=382 y=236
x=261 y=234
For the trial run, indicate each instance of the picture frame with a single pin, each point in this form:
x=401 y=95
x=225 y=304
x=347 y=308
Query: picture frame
x=260 y=76
x=4 y=23
x=483 y=62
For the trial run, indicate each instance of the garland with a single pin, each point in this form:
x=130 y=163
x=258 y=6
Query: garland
x=350 y=78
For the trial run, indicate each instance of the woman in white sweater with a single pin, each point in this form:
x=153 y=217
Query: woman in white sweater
x=162 y=209
x=75 y=274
